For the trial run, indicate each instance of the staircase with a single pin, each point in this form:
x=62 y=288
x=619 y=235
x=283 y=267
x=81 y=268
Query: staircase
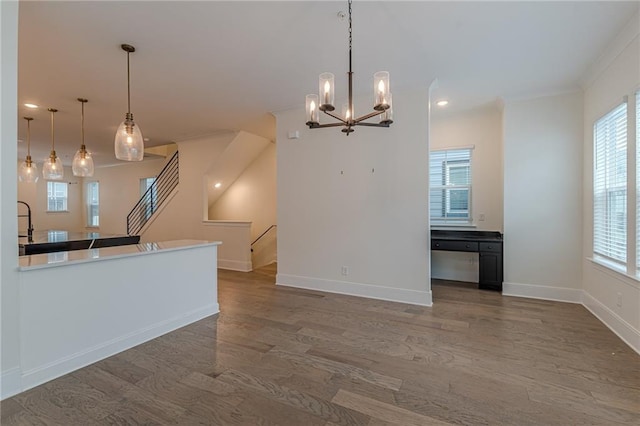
x=154 y=197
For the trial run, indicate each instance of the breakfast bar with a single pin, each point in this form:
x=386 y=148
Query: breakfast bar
x=77 y=307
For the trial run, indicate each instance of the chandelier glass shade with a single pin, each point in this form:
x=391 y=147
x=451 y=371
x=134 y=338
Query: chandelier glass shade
x=28 y=171
x=325 y=100
x=129 y=144
x=52 y=167
x=82 y=164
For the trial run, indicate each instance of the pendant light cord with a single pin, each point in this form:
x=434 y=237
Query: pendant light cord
x=53 y=140
x=28 y=137
x=350 y=35
x=82 y=122
x=128 y=85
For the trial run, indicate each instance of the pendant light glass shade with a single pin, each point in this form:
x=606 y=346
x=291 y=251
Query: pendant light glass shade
x=82 y=164
x=28 y=171
x=129 y=144
x=52 y=167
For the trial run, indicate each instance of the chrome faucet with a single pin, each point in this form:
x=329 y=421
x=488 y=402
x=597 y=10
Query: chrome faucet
x=30 y=225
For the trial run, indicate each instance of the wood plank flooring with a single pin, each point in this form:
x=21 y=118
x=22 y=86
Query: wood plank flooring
x=283 y=356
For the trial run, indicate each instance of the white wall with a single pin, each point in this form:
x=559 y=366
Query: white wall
x=35 y=194
x=252 y=197
x=185 y=215
x=481 y=128
x=119 y=188
x=9 y=294
x=358 y=201
x=543 y=141
x=618 y=75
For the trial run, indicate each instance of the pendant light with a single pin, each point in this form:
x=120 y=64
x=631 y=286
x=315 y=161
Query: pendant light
x=52 y=167
x=325 y=100
x=129 y=145
x=82 y=162
x=28 y=172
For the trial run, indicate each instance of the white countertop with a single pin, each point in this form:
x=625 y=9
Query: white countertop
x=63 y=258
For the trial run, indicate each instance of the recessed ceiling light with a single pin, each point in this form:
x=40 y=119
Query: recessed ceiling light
x=217 y=185
x=146 y=139
x=31 y=106
x=442 y=103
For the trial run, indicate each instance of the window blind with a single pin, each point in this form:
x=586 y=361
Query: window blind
x=610 y=185
x=450 y=186
x=638 y=179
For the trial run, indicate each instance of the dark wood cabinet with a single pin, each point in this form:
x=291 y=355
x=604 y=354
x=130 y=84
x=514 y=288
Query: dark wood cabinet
x=487 y=244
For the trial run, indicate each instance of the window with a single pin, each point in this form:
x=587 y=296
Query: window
x=450 y=186
x=56 y=196
x=150 y=198
x=610 y=185
x=93 y=204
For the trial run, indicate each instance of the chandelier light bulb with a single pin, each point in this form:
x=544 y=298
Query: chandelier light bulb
x=313 y=114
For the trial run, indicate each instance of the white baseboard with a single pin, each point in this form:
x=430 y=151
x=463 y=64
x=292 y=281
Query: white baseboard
x=414 y=297
x=50 y=371
x=235 y=265
x=559 y=294
x=619 y=326
x=10 y=383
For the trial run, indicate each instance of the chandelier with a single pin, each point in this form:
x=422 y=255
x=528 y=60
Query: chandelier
x=325 y=100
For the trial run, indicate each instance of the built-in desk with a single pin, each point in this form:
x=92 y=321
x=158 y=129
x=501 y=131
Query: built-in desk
x=487 y=243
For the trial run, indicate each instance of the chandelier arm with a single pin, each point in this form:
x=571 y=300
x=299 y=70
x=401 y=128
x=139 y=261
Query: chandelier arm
x=337 y=117
x=319 y=126
x=368 y=116
x=373 y=124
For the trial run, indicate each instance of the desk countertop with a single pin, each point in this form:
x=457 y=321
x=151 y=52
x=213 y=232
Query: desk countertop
x=466 y=235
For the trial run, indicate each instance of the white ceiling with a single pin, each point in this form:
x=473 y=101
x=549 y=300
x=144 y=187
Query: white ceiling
x=201 y=67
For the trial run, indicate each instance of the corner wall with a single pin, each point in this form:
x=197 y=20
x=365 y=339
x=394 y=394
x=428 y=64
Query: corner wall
x=603 y=287
x=252 y=197
x=542 y=200
x=10 y=373
x=358 y=202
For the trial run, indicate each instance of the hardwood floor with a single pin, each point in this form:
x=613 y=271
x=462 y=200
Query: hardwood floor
x=278 y=355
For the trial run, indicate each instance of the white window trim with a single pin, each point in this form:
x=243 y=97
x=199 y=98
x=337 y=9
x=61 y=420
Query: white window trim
x=466 y=222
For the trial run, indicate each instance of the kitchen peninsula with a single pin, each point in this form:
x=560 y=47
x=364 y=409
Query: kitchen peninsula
x=78 y=307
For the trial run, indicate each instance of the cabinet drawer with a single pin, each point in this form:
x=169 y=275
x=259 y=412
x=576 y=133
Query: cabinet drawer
x=453 y=245
x=493 y=247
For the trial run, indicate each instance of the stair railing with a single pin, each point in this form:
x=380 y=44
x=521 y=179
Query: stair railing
x=164 y=184
x=262 y=235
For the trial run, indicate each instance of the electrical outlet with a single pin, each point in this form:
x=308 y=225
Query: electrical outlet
x=481 y=217
x=345 y=270
x=619 y=300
